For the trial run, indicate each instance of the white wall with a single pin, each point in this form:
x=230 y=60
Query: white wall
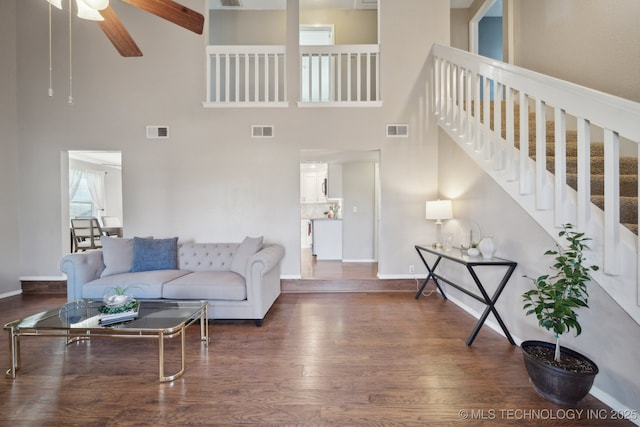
x=210 y=181
x=250 y=27
x=460 y=28
x=408 y=167
x=9 y=185
x=593 y=43
x=358 y=229
x=609 y=336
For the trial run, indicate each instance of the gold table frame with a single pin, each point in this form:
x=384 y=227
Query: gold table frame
x=58 y=323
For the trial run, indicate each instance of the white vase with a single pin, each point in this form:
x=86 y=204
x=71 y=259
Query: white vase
x=487 y=248
x=473 y=252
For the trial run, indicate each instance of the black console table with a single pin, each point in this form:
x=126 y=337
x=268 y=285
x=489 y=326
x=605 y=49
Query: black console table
x=470 y=263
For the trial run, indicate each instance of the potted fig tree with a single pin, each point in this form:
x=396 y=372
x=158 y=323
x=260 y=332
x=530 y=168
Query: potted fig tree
x=557 y=373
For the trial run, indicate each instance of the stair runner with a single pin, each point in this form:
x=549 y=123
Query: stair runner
x=628 y=166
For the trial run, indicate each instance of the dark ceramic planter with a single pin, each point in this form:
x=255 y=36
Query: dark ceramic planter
x=556 y=384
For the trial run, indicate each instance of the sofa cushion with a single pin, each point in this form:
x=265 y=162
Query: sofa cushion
x=248 y=247
x=117 y=255
x=154 y=254
x=146 y=284
x=212 y=285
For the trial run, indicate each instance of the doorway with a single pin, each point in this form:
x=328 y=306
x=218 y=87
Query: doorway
x=95 y=189
x=485 y=30
x=339 y=206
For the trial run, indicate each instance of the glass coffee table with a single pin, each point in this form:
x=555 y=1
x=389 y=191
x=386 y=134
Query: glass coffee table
x=158 y=319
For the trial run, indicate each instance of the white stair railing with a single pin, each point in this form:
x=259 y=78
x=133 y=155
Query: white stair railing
x=461 y=79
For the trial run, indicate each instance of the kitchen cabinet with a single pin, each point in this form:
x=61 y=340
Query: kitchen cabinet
x=313 y=183
x=327 y=239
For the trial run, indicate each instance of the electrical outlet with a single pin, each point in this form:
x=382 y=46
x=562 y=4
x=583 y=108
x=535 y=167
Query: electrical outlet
x=411 y=269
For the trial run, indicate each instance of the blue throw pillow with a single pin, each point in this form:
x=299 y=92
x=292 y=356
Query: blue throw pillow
x=154 y=254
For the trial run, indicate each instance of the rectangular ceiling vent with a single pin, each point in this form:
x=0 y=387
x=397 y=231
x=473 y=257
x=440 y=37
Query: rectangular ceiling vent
x=262 y=131
x=157 y=132
x=230 y=3
x=398 y=131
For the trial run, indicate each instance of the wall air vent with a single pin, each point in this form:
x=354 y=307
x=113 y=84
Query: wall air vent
x=230 y=3
x=157 y=132
x=262 y=131
x=398 y=131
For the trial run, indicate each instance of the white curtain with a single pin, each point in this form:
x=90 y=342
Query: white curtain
x=75 y=176
x=95 y=182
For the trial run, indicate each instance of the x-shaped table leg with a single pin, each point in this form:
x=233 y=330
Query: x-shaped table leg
x=490 y=302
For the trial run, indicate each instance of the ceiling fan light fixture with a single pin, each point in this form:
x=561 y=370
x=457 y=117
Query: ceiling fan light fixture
x=86 y=12
x=56 y=3
x=97 y=4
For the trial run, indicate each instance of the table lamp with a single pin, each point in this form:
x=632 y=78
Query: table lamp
x=438 y=210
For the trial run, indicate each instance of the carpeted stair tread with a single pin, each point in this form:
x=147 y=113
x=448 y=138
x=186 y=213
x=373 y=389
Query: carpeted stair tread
x=597 y=148
x=628 y=208
x=628 y=166
x=628 y=184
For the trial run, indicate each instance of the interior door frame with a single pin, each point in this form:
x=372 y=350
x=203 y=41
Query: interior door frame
x=473 y=24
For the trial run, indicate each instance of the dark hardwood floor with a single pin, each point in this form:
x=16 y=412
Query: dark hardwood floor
x=311 y=268
x=338 y=276
x=330 y=359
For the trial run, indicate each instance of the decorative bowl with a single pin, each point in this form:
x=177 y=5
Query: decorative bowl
x=114 y=301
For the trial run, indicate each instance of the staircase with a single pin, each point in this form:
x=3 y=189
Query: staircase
x=628 y=165
x=572 y=130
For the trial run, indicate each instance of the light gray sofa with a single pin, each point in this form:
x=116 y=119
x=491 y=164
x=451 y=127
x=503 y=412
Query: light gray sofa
x=238 y=281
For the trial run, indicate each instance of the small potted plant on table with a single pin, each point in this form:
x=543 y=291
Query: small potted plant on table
x=559 y=374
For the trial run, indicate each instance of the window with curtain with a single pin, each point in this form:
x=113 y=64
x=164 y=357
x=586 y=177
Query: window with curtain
x=86 y=193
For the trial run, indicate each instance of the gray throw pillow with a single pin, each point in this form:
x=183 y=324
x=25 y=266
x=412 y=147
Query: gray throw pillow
x=248 y=247
x=117 y=255
x=154 y=254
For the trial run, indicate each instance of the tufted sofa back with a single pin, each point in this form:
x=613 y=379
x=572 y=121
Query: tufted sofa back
x=206 y=256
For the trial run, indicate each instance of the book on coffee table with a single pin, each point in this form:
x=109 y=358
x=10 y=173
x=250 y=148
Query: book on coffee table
x=123 y=316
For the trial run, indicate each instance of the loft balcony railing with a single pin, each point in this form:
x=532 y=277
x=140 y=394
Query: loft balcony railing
x=340 y=76
x=330 y=76
x=483 y=104
x=246 y=76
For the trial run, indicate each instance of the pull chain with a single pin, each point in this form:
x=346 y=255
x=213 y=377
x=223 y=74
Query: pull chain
x=70 y=59
x=50 y=55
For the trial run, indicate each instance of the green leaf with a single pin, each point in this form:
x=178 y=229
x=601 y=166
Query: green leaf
x=556 y=297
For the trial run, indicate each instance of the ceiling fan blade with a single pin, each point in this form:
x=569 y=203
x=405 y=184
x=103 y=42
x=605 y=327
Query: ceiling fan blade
x=118 y=34
x=173 y=12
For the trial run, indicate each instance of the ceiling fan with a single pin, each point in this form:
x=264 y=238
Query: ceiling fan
x=114 y=29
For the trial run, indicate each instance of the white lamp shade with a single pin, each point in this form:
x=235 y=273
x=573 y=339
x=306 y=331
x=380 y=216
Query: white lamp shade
x=85 y=12
x=56 y=3
x=438 y=209
x=97 y=4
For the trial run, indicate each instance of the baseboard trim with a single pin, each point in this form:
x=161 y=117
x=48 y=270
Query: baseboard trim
x=42 y=278
x=318 y=285
x=10 y=294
